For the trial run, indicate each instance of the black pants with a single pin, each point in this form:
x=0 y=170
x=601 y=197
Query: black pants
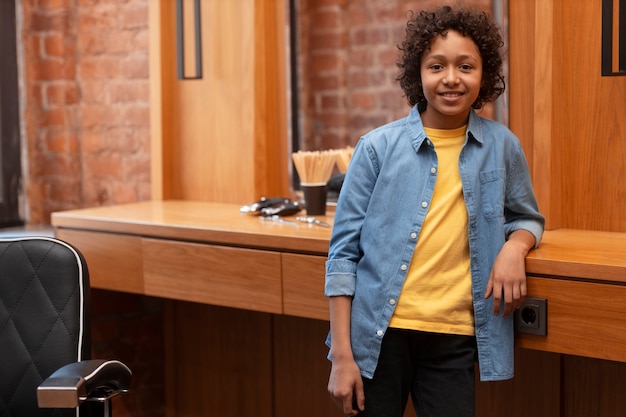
x=437 y=370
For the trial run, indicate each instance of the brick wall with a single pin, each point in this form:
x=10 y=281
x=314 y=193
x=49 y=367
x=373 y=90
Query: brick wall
x=86 y=103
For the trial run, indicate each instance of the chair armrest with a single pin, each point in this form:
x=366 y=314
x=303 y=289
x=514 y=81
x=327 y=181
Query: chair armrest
x=76 y=382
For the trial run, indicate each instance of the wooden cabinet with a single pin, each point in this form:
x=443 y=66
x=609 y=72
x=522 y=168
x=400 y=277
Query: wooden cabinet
x=303 y=286
x=209 y=274
x=584 y=318
x=115 y=261
x=246 y=318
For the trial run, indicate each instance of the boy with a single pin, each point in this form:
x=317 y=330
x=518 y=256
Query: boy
x=432 y=226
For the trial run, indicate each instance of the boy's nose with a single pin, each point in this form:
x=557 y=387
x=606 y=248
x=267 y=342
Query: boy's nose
x=450 y=77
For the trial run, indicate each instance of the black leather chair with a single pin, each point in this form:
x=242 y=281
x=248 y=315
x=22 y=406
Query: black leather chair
x=45 y=348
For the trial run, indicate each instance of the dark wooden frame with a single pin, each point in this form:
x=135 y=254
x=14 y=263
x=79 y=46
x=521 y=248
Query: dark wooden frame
x=607 y=37
x=10 y=143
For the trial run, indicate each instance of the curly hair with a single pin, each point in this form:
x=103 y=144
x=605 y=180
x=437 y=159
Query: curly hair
x=421 y=31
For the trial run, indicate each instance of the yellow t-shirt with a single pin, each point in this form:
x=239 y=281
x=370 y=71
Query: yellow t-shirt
x=437 y=293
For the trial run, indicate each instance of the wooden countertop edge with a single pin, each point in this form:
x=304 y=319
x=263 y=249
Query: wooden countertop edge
x=236 y=238
x=587 y=255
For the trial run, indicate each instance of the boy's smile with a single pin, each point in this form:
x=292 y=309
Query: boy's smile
x=451 y=72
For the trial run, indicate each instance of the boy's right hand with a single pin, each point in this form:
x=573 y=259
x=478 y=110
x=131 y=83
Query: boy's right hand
x=345 y=386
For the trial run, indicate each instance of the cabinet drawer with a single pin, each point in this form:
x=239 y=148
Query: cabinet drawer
x=231 y=277
x=113 y=261
x=303 y=286
x=584 y=318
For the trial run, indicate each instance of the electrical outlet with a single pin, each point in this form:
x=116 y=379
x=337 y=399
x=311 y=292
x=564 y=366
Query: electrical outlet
x=532 y=316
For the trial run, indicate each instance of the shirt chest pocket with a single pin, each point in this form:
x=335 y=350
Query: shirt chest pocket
x=492 y=193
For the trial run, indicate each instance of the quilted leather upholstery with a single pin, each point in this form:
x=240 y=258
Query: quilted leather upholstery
x=44 y=297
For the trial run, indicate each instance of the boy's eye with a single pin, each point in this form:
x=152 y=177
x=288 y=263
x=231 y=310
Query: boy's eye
x=465 y=67
x=436 y=67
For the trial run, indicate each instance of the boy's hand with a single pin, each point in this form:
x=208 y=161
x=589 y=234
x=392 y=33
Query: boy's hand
x=507 y=280
x=345 y=386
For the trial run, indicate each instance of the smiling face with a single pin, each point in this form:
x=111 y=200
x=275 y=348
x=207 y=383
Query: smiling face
x=451 y=72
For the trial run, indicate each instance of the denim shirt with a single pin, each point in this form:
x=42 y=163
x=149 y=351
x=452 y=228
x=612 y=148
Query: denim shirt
x=381 y=208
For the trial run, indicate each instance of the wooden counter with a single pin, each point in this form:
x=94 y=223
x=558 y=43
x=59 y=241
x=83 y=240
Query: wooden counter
x=208 y=254
x=205 y=252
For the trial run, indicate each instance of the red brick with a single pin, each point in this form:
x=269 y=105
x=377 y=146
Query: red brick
x=46 y=22
x=100 y=67
x=61 y=141
x=332 y=101
x=98 y=115
x=370 y=36
x=325 y=82
x=326 y=62
x=122 y=140
x=362 y=101
x=101 y=17
x=101 y=165
x=123 y=192
x=94 y=92
x=130 y=92
x=329 y=40
x=91 y=43
x=137 y=168
x=327 y=3
x=135 y=116
x=54 y=69
x=54 y=165
x=53 y=117
x=93 y=140
x=135 y=67
x=134 y=16
x=58 y=45
x=53 y=4
x=66 y=192
x=329 y=18
x=56 y=95
x=334 y=119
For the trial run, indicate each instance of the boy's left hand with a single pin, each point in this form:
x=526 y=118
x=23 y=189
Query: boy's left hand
x=507 y=280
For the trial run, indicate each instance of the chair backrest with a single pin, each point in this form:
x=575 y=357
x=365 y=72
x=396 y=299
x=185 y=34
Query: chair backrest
x=44 y=319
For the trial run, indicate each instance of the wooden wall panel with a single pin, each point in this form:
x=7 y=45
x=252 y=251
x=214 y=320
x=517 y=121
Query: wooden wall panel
x=301 y=368
x=571 y=122
x=224 y=137
x=534 y=391
x=218 y=361
x=593 y=387
x=589 y=122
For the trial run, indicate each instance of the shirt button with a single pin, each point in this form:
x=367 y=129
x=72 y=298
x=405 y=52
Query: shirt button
x=428 y=142
x=433 y=170
x=424 y=204
x=392 y=302
x=379 y=333
x=413 y=235
x=404 y=267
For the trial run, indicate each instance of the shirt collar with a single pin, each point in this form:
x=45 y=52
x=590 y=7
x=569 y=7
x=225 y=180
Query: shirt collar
x=415 y=128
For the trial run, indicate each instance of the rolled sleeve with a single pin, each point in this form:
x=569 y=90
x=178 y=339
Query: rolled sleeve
x=340 y=278
x=532 y=226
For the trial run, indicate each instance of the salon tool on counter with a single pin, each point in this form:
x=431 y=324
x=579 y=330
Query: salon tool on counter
x=262 y=203
x=285 y=208
x=278 y=219
x=312 y=220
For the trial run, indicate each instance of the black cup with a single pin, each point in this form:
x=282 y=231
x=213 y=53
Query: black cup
x=314 y=199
